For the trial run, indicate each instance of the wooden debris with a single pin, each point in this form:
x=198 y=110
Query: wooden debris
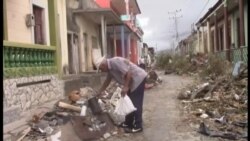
x=226 y=97
x=37 y=117
x=209 y=93
x=68 y=106
x=25 y=132
x=201 y=92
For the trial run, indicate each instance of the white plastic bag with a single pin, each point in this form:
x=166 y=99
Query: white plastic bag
x=236 y=69
x=116 y=96
x=124 y=106
x=83 y=111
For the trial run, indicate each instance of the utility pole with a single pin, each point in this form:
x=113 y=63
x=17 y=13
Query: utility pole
x=155 y=47
x=175 y=18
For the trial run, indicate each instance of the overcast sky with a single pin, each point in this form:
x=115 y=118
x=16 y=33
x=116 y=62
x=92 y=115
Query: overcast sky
x=159 y=29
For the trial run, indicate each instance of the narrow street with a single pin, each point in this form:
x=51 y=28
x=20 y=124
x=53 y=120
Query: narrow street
x=57 y=54
x=163 y=119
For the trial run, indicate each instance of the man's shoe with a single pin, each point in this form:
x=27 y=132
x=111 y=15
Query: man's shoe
x=133 y=130
x=123 y=125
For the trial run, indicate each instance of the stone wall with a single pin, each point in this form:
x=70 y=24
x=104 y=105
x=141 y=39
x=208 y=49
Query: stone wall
x=18 y=100
x=31 y=95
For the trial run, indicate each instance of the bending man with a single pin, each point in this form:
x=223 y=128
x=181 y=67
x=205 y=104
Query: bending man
x=132 y=78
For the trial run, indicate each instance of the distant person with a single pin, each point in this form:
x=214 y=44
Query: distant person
x=153 y=64
x=148 y=60
x=133 y=80
x=142 y=63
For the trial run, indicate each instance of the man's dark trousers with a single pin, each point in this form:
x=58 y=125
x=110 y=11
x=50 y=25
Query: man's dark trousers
x=134 y=119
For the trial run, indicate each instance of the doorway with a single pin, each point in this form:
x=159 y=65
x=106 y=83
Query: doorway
x=73 y=53
x=39 y=27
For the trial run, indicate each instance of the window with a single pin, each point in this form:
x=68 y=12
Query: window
x=39 y=25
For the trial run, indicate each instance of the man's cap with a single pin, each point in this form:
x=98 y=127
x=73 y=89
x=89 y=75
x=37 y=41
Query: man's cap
x=98 y=61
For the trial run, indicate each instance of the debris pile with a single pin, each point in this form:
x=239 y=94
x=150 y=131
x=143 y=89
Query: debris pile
x=91 y=117
x=197 y=65
x=219 y=106
x=186 y=64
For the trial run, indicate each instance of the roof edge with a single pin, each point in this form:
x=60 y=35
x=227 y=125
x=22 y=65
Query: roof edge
x=210 y=10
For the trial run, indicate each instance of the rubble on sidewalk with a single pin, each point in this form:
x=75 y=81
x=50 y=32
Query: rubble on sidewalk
x=220 y=105
x=90 y=117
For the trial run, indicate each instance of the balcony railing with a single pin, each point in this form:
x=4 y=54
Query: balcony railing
x=236 y=54
x=28 y=59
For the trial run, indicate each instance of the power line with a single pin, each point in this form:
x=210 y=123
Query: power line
x=175 y=17
x=202 y=9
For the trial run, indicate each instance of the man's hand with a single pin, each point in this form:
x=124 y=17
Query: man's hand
x=100 y=93
x=124 y=91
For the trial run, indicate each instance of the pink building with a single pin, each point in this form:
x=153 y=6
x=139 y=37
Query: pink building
x=124 y=38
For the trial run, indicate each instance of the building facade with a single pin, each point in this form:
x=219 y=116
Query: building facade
x=123 y=38
x=31 y=56
x=49 y=47
x=223 y=30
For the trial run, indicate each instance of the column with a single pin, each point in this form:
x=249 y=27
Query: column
x=216 y=33
x=241 y=8
x=127 y=7
x=54 y=33
x=129 y=46
x=123 y=41
x=115 y=50
x=209 y=37
x=233 y=25
x=103 y=35
x=198 y=33
x=226 y=31
x=5 y=21
x=246 y=24
x=202 y=40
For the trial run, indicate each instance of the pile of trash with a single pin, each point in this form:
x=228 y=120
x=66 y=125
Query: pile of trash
x=219 y=106
x=186 y=64
x=197 y=65
x=91 y=117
